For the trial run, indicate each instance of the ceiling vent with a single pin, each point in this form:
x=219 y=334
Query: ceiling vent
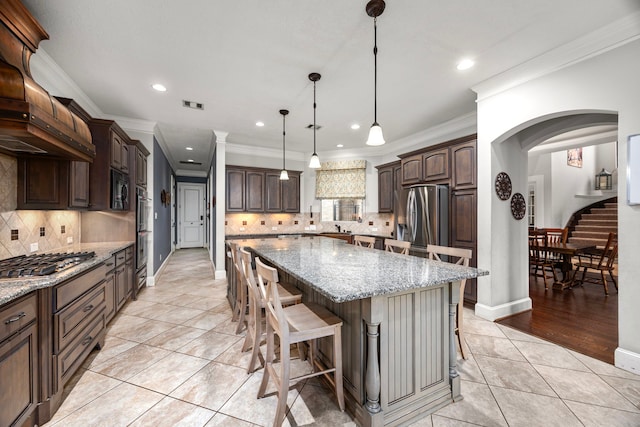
x=310 y=126
x=190 y=163
x=191 y=104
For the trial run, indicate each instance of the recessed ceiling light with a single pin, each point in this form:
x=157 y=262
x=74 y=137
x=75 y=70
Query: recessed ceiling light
x=259 y=124
x=189 y=148
x=355 y=126
x=190 y=160
x=465 y=64
x=159 y=87
x=339 y=145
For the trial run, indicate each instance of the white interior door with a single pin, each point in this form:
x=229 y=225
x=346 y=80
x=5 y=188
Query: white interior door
x=191 y=215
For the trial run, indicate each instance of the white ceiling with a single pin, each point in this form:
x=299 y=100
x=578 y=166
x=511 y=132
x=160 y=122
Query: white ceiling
x=247 y=59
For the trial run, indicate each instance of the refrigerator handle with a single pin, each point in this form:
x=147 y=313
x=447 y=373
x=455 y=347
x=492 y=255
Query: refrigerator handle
x=411 y=215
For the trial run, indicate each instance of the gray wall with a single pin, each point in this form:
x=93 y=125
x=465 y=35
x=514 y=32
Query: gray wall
x=161 y=214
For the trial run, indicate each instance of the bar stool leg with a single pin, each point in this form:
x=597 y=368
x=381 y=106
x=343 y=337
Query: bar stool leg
x=337 y=363
x=283 y=387
x=268 y=362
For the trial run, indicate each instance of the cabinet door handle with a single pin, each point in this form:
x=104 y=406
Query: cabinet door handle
x=87 y=340
x=15 y=318
x=88 y=308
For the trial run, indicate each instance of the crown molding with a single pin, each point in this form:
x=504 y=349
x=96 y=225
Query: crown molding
x=138 y=125
x=250 y=150
x=184 y=172
x=597 y=42
x=47 y=73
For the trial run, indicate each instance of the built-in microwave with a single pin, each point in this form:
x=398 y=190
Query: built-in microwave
x=119 y=191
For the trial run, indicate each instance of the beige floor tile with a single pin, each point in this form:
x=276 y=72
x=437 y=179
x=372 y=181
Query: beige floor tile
x=584 y=387
x=493 y=346
x=228 y=327
x=628 y=388
x=166 y=375
x=134 y=308
x=601 y=368
x=244 y=405
x=549 y=355
x=318 y=406
x=515 y=335
x=207 y=303
x=88 y=387
x=207 y=320
x=477 y=407
x=212 y=385
x=123 y=322
x=513 y=375
x=597 y=416
x=184 y=300
x=209 y=345
x=113 y=346
x=469 y=369
x=425 y=421
x=234 y=355
x=174 y=413
x=533 y=410
x=131 y=362
x=479 y=326
x=139 y=331
x=173 y=314
x=439 y=421
x=175 y=338
x=118 y=407
x=154 y=295
x=222 y=420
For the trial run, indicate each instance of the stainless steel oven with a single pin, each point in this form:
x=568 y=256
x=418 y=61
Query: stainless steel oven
x=142 y=246
x=142 y=210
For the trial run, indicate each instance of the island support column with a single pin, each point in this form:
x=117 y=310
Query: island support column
x=454 y=377
x=372 y=317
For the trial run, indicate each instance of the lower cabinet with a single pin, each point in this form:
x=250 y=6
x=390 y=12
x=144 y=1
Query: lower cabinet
x=123 y=276
x=19 y=362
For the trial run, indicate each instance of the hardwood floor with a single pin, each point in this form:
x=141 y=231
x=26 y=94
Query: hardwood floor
x=581 y=319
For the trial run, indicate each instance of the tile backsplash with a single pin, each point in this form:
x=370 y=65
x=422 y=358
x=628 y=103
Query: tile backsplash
x=255 y=223
x=42 y=227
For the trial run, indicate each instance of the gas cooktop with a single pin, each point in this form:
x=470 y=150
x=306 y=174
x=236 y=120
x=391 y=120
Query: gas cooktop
x=41 y=264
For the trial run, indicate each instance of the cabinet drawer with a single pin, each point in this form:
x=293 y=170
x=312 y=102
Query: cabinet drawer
x=129 y=253
x=70 y=321
x=120 y=258
x=67 y=292
x=67 y=362
x=110 y=264
x=16 y=315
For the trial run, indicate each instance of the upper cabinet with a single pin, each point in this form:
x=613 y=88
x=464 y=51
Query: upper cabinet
x=261 y=190
x=435 y=165
x=411 y=169
x=138 y=158
x=463 y=160
x=389 y=180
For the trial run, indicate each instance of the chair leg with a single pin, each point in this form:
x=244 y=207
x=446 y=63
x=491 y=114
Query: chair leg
x=283 y=390
x=460 y=333
x=337 y=363
x=604 y=282
x=613 y=279
x=268 y=361
x=255 y=351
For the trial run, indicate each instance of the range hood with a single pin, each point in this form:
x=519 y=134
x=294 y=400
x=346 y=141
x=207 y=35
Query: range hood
x=31 y=120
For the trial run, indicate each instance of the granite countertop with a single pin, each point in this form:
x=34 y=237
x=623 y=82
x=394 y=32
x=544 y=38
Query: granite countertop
x=302 y=233
x=11 y=289
x=344 y=272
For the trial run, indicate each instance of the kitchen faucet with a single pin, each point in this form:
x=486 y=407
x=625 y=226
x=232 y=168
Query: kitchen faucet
x=338 y=227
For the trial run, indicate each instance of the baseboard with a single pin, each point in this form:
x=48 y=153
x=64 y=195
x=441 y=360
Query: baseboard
x=627 y=360
x=151 y=281
x=220 y=274
x=502 y=310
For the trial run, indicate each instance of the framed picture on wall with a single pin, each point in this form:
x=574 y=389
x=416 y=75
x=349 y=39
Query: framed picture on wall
x=574 y=157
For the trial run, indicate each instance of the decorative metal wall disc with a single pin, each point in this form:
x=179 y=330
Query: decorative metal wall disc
x=503 y=186
x=518 y=206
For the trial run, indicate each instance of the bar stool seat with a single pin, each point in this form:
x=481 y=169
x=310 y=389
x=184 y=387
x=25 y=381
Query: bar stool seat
x=397 y=246
x=295 y=324
x=364 y=241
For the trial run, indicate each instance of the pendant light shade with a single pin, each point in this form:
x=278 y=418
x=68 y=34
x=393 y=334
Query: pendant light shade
x=314 y=163
x=374 y=9
x=283 y=173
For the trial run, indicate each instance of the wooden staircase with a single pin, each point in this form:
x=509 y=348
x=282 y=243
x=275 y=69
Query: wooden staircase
x=595 y=225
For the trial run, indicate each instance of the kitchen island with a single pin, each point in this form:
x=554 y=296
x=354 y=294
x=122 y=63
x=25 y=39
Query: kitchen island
x=399 y=351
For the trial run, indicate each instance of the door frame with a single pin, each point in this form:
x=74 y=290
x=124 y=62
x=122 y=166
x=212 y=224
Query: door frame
x=180 y=207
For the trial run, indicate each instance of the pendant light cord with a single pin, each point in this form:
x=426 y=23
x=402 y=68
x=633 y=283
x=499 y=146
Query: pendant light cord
x=375 y=71
x=283 y=134
x=314 y=118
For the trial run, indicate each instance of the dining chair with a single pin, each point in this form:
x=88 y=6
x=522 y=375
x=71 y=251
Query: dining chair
x=539 y=257
x=288 y=293
x=555 y=236
x=601 y=262
x=364 y=241
x=458 y=256
x=295 y=324
x=397 y=246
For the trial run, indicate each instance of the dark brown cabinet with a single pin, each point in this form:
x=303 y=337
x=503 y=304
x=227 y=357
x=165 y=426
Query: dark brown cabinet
x=19 y=361
x=119 y=149
x=123 y=276
x=140 y=153
x=464 y=232
x=45 y=183
x=411 y=169
x=261 y=190
x=435 y=165
x=388 y=182
x=463 y=161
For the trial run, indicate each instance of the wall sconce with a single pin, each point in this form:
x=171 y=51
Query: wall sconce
x=603 y=180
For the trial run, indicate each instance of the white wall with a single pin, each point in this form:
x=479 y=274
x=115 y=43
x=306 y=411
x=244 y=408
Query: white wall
x=605 y=83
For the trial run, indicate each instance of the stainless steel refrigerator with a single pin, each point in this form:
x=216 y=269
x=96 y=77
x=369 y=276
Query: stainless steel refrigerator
x=422 y=216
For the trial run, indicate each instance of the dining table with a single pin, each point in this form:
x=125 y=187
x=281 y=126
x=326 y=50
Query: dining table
x=568 y=250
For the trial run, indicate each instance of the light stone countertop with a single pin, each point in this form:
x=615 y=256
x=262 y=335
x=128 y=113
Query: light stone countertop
x=11 y=289
x=344 y=272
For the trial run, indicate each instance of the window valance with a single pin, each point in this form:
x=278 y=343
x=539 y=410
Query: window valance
x=341 y=179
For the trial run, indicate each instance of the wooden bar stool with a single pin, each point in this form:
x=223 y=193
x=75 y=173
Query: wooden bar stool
x=397 y=246
x=289 y=294
x=463 y=256
x=295 y=324
x=364 y=241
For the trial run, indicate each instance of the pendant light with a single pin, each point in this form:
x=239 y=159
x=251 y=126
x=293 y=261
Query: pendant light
x=283 y=173
x=315 y=160
x=374 y=9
